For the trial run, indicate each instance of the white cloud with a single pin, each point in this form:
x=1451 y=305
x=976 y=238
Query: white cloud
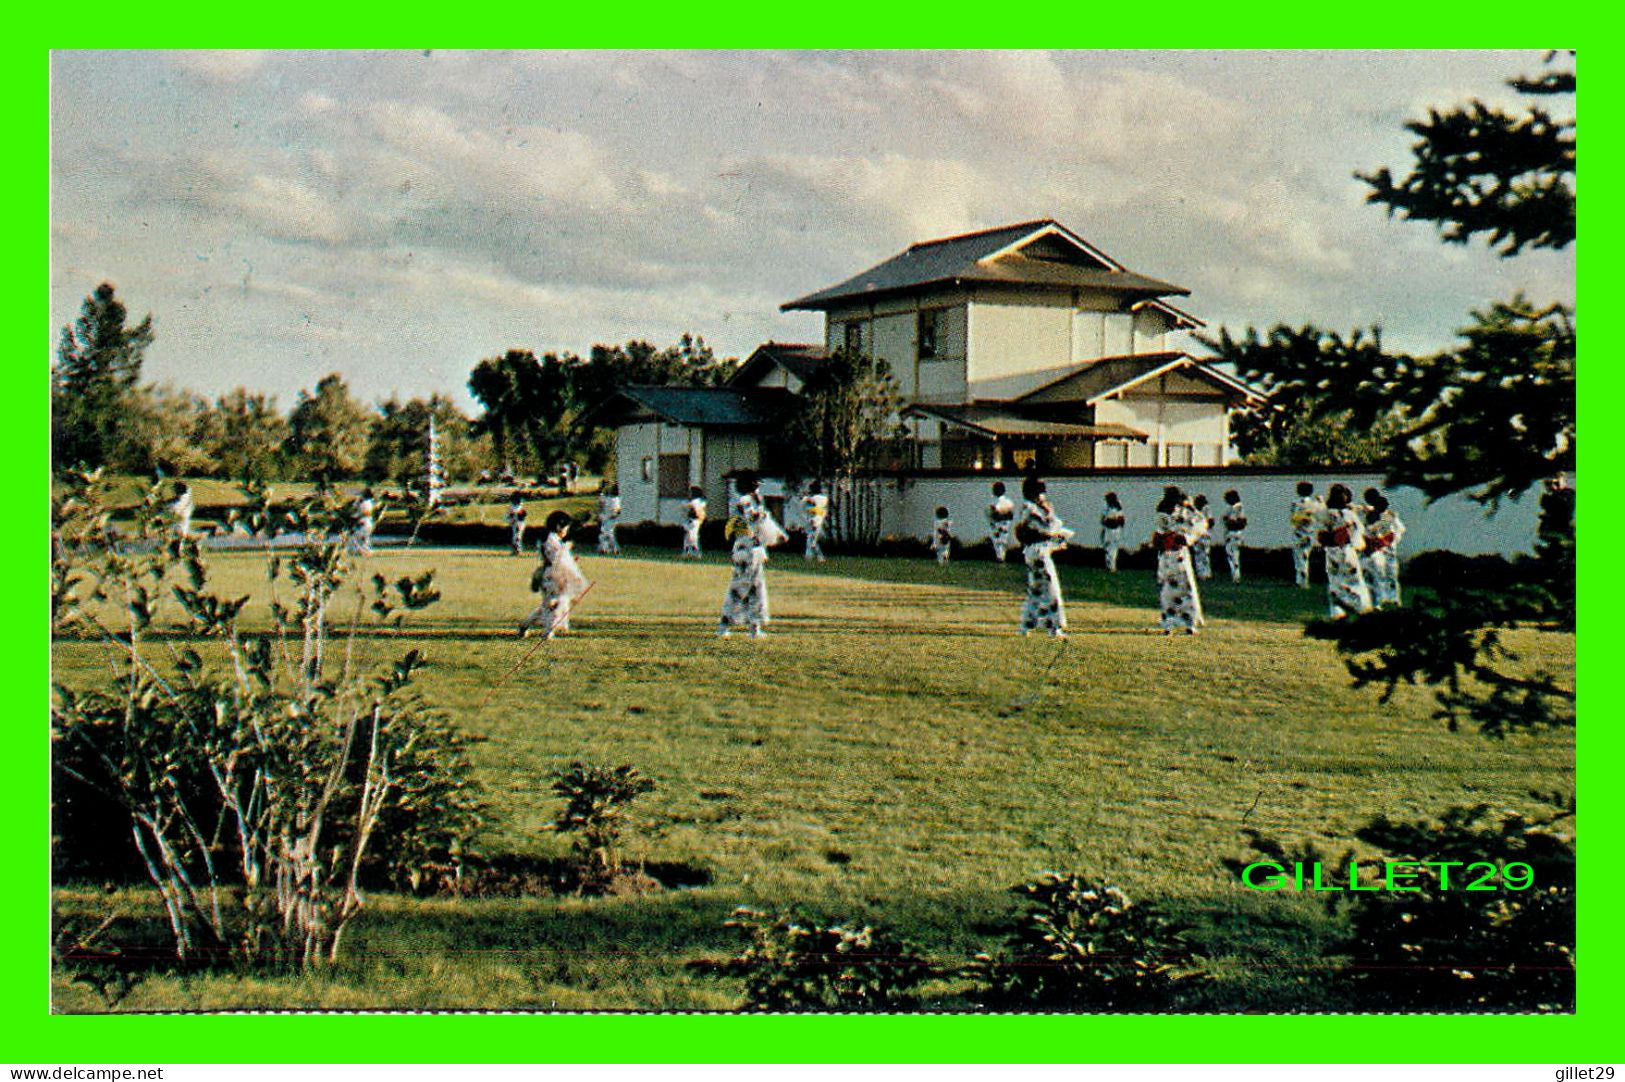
x=222 y=65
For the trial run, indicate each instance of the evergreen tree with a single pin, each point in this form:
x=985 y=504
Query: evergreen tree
x=844 y=428
x=98 y=367
x=1492 y=418
x=328 y=431
x=246 y=434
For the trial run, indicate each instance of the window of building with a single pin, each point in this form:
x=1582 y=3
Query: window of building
x=1111 y=453
x=648 y=473
x=1177 y=454
x=1023 y=458
x=927 y=328
x=673 y=477
x=853 y=341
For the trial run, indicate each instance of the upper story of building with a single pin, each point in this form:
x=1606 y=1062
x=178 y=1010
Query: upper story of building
x=998 y=313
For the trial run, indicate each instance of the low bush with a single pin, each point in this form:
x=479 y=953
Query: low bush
x=1083 y=945
x=799 y=965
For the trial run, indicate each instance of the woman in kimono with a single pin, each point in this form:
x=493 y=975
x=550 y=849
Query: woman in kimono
x=1379 y=561
x=750 y=531
x=609 y=515
x=693 y=519
x=1175 y=530
x=1306 y=513
x=559 y=580
x=816 y=505
x=363 y=512
x=1041 y=534
x=1202 y=545
x=1112 y=523
x=942 y=536
x=1235 y=530
x=516 y=524
x=1342 y=537
x=180 y=511
x=1001 y=522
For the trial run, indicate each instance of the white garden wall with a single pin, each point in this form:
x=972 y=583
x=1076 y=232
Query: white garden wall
x=1456 y=523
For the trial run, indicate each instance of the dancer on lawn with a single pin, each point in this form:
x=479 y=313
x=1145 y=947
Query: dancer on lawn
x=1342 y=536
x=1001 y=522
x=1112 y=524
x=1235 y=530
x=1202 y=546
x=1307 y=510
x=180 y=511
x=1176 y=528
x=816 y=505
x=942 y=536
x=516 y=524
x=1379 y=561
x=751 y=530
x=559 y=580
x=609 y=515
x=363 y=512
x=1041 y=533
x=693 y=519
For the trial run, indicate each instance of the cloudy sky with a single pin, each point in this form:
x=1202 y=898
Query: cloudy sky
x=398 y=216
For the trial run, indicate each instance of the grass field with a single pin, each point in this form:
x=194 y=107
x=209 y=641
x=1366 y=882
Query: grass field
x=892 y=751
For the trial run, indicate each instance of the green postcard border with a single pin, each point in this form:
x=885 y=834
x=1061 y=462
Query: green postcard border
x=36 y=1036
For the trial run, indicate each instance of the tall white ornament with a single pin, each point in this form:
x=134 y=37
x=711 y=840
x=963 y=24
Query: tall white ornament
x=437 y=472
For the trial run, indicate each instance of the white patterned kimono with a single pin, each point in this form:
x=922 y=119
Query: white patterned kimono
x=817 y=509
x=942 y=539
x=1001 y=526
x=1112 y=524
x=1380 y=559
x=1306 y=514
x=1177 y=595
x=180 y=515
x=1342 y=537
x=745 y=605
x=609 y=515
x=1043 y=609
x=762 y=524
x=693 y=519
x=361 y=536
x=516 y=528
x=1202 y=544
x=1235 y=531
x=561 y=583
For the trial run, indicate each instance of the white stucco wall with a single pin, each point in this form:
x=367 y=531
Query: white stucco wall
x=633 y=444
x=1010 y=340
x=1455 y=523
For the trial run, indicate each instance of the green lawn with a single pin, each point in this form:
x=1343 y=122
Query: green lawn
x=893 y=751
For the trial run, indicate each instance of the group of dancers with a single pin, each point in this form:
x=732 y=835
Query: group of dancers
x=1360 y=543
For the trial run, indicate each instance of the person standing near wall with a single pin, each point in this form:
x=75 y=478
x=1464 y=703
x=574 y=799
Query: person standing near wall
x=1001 y=522
x=516 y=524
x=693 y=519
x=1041 y=534
x=609 y=516
x=1379 y=560
x=816 y=505
x=1342 y=537
x=942 y=536
x=1112 y=524
x=1307 y=510
x=1175 y=529
x=1235 y=530
x=1202 y=546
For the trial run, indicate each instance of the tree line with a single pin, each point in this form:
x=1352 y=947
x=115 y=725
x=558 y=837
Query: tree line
x=104 y=416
